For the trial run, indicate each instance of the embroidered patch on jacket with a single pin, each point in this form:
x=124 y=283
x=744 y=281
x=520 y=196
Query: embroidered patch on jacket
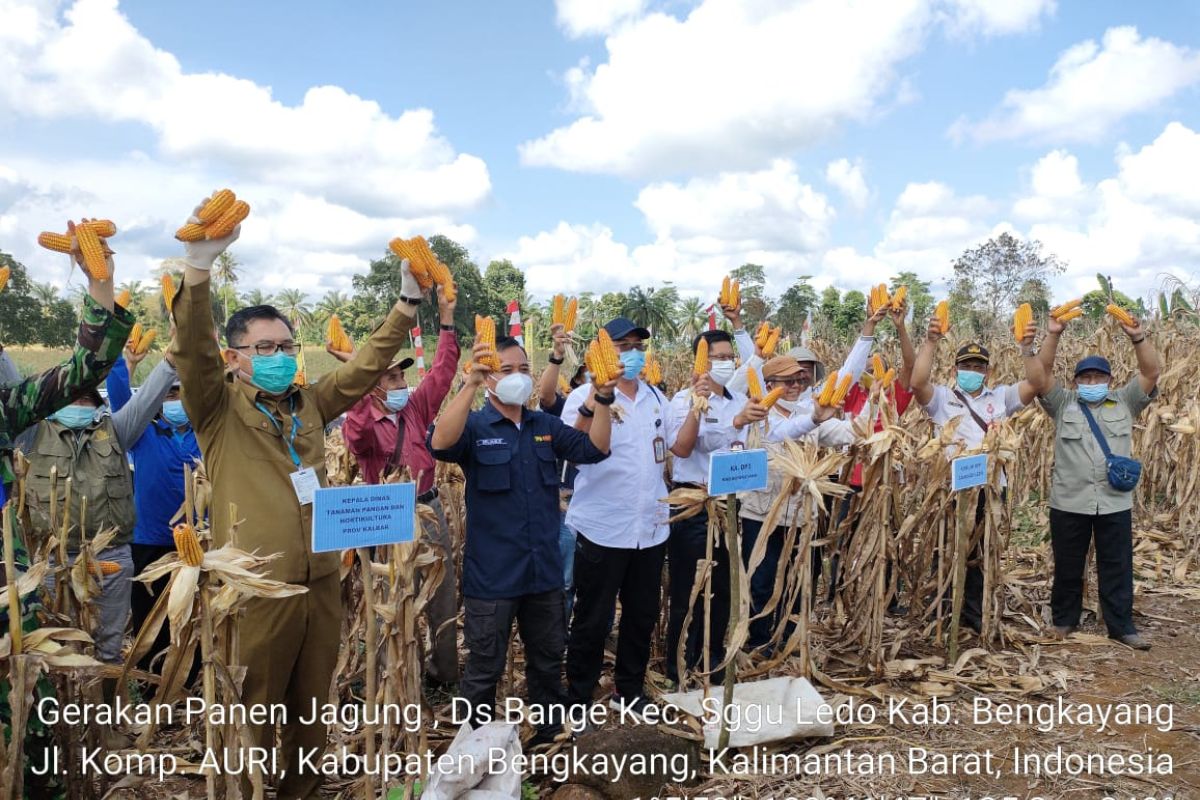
x=543 y=438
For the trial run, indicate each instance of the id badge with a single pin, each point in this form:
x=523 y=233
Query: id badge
x=660 y=450
x=305 y=482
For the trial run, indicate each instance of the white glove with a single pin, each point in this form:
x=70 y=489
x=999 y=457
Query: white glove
x=408 y=284
x=201 y=254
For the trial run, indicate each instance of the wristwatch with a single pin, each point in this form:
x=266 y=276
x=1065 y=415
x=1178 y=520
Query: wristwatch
x=554 y=360
x=411 y=301
x=450 y=328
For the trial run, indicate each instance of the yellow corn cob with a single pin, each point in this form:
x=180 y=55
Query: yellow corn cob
x=1119 y=314
x=143 y=344
x=723 y=298
x=898 y=297
x=609 y=356
x=1021 y=319
x=408 y=250
x=103 y=228
x=571 y=314
x=761 y=335
x=485 y=333
x=135 y=336
x=827 y=390
x=877 y=368
x=1074 y=313
x=190 y=233
x=701 y=365
x=753 y=386
x=300 y=379
x=772 y=342
x=771 y=397
x=103 y=568
x=1070 y=305
x=59 y=243
x=187 y=545
x=4 y=273
x=888 y=377
x=878 y=298
x=221 y=201
x=443 y=278
x=338 y=338
x=564 y=388
x=843 y=388
x=942 y=313
x=735 y=294
x=652 y=372
x=225 y=223
x=124 y=298
x=168 y=291
x=557 y=310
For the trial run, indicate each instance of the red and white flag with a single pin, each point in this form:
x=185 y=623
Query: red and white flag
x=712 y=317
x=514 y=322
x=418 y=351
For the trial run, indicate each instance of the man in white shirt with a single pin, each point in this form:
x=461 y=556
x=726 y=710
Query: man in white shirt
x=982 y=406
x=620 y=524
x=693 y=436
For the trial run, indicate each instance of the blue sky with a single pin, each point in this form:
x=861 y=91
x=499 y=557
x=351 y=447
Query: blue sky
x=844 y=140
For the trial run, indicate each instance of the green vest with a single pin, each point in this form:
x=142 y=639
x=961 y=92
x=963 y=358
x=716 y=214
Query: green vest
x=99 y=471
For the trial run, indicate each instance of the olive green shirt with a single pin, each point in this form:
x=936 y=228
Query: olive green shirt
x=1079 y=483
x=245 y=453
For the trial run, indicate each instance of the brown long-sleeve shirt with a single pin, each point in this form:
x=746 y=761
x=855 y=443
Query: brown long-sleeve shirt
x=246 y=454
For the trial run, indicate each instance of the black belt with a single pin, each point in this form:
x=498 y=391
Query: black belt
x=430 y=495
x=678 y=485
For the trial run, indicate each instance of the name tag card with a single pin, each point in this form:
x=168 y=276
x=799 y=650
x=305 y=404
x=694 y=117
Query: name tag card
x=737 y=471
x=968 y=472
x=346 y=517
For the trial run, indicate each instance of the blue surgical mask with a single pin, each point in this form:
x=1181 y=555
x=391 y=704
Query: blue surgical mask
x=174 y=414
x=75 y=417
x=634 y=361
x=1093 y=392
x=970 y=381
x=396 y=399
x=274 y=373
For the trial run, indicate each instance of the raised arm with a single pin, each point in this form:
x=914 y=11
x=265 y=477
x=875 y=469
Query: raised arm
x=856 y=360
x=922 y=371
x=118 y=384
x=1147 y=357
x=548 y=384
x=449 y=426
x=131 y=420
x=908 y=354
x=428 y=396
x=1049 y=353
x=1036 y=382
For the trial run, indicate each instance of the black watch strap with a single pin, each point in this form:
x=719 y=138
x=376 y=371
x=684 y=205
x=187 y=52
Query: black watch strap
x=605 y=400
x=450 y=328
x=411 y=301
x=586 y=412
x=554 y=360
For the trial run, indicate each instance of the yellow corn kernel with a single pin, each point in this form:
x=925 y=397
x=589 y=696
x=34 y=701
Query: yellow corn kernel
x=613 y=368
x=1119 y=314
x=723 y=298
x=224 y=224
x=443 y=278
x=772 y=397
x=1067 y=316
x=59 y=243
x=135 y=336
x=190 y=233
x=571 y=314
x=701 y=364
x=753 y=386
x=187 y=545
x=124 y=298
x=888 y=377
x=843 y=388
x=103 y=568
x=772 y=342
x=1022 y=318
x=942 y=313
x=735 y=294
x=143 y=345
x=762 y=334
x=338 y=338
x=4 y=274
x=557 y=310
x=485 y=333
x=564 y=388
x=898 y=297
x=168 y=291
x=103 y=228
x=827 y=390
x=1058 y=311
x=220 y=202
x=652 y=372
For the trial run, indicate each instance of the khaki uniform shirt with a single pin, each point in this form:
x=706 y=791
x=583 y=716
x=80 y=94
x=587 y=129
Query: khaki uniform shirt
x=246 y=454
x=1079 y=483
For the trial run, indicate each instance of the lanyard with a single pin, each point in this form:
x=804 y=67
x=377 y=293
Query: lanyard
x=291 y=440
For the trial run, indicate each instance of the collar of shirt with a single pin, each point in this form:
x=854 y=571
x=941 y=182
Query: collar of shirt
x=256 y=395
x=492 y=415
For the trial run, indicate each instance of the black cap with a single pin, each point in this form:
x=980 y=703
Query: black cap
x=620 y=327
x=1098 y=363
x=971 y=352
x=403 y=364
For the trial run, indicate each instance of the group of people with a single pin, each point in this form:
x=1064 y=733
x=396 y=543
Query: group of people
x=566 y=510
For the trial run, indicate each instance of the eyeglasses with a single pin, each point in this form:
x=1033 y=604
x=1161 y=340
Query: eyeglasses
x=729 y=357
x=625 y=347
x=270 y=348
x=787 y=381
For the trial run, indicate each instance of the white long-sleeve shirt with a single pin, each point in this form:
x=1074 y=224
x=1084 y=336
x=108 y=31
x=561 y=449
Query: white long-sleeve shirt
x=716 y=432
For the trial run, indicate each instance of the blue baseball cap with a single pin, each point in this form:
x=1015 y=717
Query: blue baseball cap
x=1098 y=363
x=620 y=327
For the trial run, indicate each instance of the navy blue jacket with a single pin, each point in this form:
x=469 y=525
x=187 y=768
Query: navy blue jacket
x=159 y=456
x=512 y=499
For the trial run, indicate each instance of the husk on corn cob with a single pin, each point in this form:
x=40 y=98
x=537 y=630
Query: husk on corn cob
x=1058 y=312
x=942 y=314
x=1021 y=320
x=338 y=338
x=187 y=545
x=1119 y=314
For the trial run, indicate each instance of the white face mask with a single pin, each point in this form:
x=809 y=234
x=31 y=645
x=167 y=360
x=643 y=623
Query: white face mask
x=514 y=389
x=721 y=372
x=787 y=405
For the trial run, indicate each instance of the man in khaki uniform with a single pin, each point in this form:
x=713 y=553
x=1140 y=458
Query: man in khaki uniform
x=1082 y=502
x=263 y=440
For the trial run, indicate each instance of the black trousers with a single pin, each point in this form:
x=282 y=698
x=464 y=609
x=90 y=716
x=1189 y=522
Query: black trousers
x=762 y=582
x=685 y=547
x=602 y=574
x=1070 y=535
x=542 y=622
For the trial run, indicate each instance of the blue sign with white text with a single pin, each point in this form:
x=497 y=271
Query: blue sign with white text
x=968 y=472
x=346 y=517
x=737 y=471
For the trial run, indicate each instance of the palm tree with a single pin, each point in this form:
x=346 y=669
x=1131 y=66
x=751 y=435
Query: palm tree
x=45 y=293
x=692 y=317
x=257 y=297
x=294 y=305
x=137 y=291
x=653 y=308
x=225 y=270
x=333 y=303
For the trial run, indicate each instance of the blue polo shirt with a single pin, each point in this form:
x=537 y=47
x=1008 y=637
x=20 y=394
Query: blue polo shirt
x=512 y=499
x=159 y=456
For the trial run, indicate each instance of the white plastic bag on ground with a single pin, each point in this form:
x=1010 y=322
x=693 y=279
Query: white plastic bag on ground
x=473 y=750
x=762 y=711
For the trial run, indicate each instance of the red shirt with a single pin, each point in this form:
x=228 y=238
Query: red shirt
x=856 y=400
x=371 y=435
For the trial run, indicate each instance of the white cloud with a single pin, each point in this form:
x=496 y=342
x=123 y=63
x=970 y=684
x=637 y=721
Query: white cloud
x=848 y=179
x=1057 y=190
x=996 y=17
x=94 y=65
x=1091 y=87
x=931 y=225
x=584 y=17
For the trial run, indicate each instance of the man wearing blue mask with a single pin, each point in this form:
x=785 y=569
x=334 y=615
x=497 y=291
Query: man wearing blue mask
x=1084 y=502
x=386 y=432
x=977 y=406
x=263 y=438
x=160 y=451
x=620 y=521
